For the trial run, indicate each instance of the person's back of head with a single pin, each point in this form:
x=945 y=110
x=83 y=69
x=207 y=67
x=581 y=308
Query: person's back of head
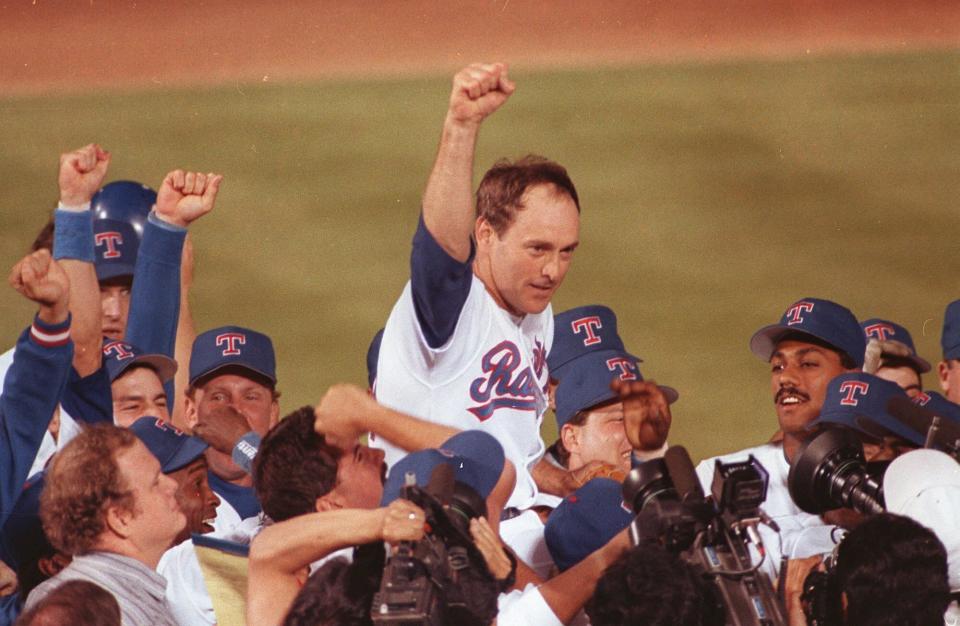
x=892 y=571
x=340 y=592
x=74 y=602
x=648 y=585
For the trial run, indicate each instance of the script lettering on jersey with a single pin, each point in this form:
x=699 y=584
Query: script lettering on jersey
x=499 y=388
x=853 y=388
x=590 y=325
x=880 y=332
x=231 y=340
x=539 y=358
x=122 y=350
x=793 y=313
x=109 y=238
x=625 y=365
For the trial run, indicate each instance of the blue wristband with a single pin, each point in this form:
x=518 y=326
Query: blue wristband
x=246 y=450
x=73 y=235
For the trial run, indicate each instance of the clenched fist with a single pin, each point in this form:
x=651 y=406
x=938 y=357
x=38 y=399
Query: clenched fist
x=41 y=279
x=186 y=196
x=646 y=413
x=479 y=90
x=81 y=173
x=339 y=416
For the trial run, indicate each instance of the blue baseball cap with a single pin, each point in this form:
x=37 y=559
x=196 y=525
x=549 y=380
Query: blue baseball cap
x=885 y=330
x=116 y=245
x=859 y=401
x=586 y=382
x=232 y=345
x=581 y=331
x=172 y=447
x=823 y=320
x=373 y=355
x=22 y=538
x=119 y=356
x=950 y=336
x=938 y=405
x=585 y=521
x=476 y=457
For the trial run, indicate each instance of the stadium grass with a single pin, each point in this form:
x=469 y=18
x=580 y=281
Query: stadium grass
x=713 y=196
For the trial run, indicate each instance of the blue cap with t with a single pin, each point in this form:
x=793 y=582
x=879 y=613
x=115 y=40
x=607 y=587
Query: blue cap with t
x=171 y=446
x=232 y=346
x=859 y=401
x=885 y=330
x=823 y=320
x=585 y=521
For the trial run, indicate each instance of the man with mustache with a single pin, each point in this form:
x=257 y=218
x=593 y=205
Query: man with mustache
x=815 y=341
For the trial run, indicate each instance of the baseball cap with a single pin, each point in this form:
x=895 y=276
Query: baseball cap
x=885 y=330
x=373 y=355
x=476 y=457
x=938 y=405
x=22 y=538
x=232 y=345
x=950 y=336
x=924 y=485
x=585 y=521
x=586 y=382
x=172 y=447
x=580 y=331
x=119 y=356
x=116 y=245
x=824 y=320
x=859 y=401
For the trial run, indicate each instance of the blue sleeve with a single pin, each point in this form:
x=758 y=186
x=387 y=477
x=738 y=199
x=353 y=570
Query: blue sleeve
x=155 y=299
x=89 y=399
x=440 y=286
x=31 y=391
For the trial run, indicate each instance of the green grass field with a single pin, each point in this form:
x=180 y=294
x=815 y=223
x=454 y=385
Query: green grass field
x=713 y=196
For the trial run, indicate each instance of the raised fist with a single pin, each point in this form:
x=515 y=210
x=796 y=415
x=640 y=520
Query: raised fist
x=186 y=196
x=81 y=174
x=646 y=413
x=339 y=416
x=479 y=90
x=41 y=279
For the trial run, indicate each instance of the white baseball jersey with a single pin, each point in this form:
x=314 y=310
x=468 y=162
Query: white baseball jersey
x=486 y=368
x=801 y=534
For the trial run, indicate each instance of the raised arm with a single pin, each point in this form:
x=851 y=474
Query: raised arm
x=81 y=173
x=478 y=90
x=280 y=554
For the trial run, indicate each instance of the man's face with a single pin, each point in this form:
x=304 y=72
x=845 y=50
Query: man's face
x=138 y=393
x=904 y=376
x=529 y=260
x=250 y=398
x=157 y=518
x=114 y=306
x=601 y=437
x=196 y=499
x=360 y=476
x=799 y=375
x=949 y=374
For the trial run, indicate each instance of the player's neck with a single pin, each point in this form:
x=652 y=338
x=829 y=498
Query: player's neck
x=481 y=269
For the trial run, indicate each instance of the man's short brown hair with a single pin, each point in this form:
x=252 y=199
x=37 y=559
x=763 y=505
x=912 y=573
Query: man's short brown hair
x=500 y=194
x=83 y=481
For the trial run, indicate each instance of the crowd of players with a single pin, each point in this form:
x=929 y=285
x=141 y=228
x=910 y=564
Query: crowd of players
x=105 y=499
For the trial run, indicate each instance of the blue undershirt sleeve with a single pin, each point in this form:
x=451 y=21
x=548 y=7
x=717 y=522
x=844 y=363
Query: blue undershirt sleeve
x=440 y=286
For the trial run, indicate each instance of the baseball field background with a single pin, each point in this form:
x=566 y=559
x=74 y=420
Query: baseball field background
x=731 y=157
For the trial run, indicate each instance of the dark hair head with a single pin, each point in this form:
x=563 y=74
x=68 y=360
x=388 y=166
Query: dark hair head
x=84 y=481
x=500 y=194
x=649 y=585
x=894 y=572
x=293 y=467
x=74 y=602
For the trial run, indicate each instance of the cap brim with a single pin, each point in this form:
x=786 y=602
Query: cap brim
x=765 y=340
x=191 y=450
x=912 y=473
x=165 y=367
x=236 y=364
x=922 y=365
x=106 y=271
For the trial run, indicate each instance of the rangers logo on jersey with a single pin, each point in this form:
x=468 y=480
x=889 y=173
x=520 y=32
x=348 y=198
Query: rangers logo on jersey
x=231 y=341
x=111 y=239
x=539 y=358
x=499 y=388
x=853 y=388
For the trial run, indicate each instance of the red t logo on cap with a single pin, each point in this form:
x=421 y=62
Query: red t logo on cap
x=879 y=331
x=626 y=368
x=588 y=324
x=111 y=238
x=793 y=313
x=853 y=388
x=119 y=348
x=231 y=340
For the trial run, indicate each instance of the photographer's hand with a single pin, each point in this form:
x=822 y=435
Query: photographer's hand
x=402 y=521
x=490 y=546
x=797 y=572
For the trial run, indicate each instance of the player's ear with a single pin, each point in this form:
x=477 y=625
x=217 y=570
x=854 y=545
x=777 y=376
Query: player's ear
x=943 y=373
x=483 y=232
x=274 y=413
x=570 y=436
x=190 y=417
x=329 y=501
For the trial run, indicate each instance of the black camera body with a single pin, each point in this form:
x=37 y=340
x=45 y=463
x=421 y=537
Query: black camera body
x=423 y=581
x=712 y=534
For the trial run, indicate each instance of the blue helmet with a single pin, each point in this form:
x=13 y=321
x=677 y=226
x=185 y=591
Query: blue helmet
x=120 y=211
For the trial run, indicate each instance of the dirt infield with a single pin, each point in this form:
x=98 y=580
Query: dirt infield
x=74 y=46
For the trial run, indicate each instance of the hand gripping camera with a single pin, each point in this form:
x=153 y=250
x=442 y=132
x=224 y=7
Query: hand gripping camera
x=712 y=533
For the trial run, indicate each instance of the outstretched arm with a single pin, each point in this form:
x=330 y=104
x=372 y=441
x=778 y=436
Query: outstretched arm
x=280 y=554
